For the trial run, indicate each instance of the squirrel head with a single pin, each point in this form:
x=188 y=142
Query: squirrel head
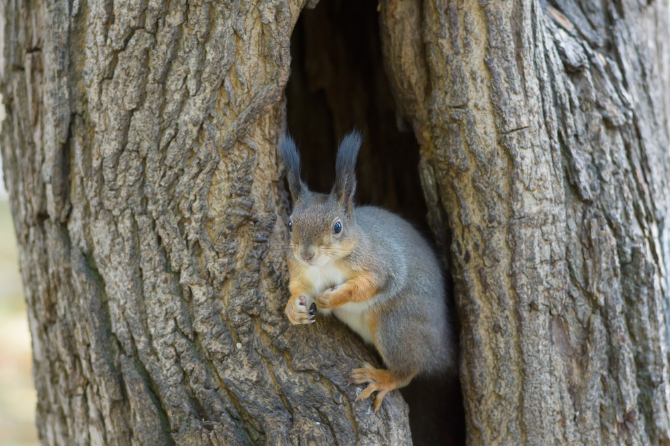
x=322 y=226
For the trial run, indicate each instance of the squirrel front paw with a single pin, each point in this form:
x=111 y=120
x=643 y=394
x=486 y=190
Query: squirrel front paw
x=329 y=299
x=297 y=311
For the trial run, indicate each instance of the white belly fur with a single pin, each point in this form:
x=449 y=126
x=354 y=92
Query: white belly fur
x=355 y=320
x=352 y=314
x=323 y=277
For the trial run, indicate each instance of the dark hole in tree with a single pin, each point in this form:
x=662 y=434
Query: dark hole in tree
x=338 y=83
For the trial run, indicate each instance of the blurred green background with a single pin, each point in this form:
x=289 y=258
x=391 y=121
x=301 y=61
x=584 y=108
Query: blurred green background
x=17 y=394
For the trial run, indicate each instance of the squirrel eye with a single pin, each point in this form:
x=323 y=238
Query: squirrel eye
x=337 y=228
x=290 y=226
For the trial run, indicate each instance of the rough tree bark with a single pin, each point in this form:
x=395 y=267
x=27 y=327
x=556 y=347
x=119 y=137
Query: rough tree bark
x=140 y=154
x=544 y=137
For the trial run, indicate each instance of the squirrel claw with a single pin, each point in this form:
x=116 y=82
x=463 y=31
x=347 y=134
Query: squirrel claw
x=297 y=312
x=381 y=381
x=380 y=398
x=363 y=375
x=373 y=388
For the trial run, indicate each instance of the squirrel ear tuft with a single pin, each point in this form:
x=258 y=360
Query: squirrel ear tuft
x=289 y=154
x=345 y=169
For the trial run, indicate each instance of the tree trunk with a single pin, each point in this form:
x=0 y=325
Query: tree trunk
x=544 y=142
x=139 y=150
x=140 y=154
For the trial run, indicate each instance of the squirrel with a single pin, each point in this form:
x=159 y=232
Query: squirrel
x=369 y=268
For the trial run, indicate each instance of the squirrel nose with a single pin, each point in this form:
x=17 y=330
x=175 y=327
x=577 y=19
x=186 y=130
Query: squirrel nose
x=307 y=254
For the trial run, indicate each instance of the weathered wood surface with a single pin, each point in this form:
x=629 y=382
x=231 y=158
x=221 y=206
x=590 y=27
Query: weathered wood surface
x=139 y=150
x=544 y=134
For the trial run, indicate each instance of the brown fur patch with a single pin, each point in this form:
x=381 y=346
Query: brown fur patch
x=361 y=287
x=339 y=250
x=298 y=286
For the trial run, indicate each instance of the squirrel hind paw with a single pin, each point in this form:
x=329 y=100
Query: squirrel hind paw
x=379 y=380
x=366 y=374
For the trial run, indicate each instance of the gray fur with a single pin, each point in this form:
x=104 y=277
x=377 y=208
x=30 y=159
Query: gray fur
x=413 y=335
x=313 y=215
